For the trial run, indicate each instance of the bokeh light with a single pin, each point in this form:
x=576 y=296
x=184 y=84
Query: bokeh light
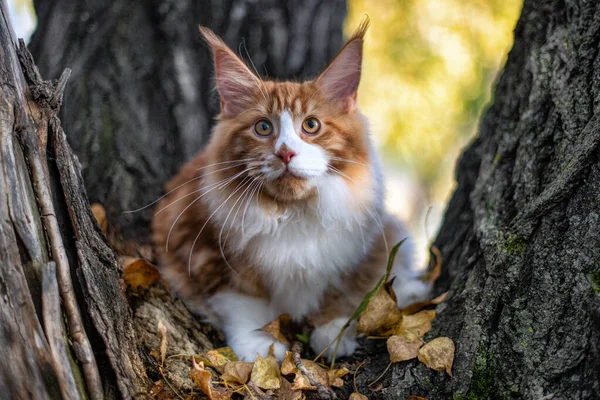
x=429 y=71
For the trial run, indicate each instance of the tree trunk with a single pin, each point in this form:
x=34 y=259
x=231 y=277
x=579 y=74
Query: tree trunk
x=141 y=99
x=65 y=326
x=520 y=240
x=521 y=236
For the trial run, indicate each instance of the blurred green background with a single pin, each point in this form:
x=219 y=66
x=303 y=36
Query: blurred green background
x=429 y=71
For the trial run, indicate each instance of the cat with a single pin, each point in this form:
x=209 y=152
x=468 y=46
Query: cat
x=283 y=211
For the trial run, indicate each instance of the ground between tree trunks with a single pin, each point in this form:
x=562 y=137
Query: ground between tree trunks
x=520 y=240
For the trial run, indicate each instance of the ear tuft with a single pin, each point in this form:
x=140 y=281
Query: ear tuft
x=341 y=78
x=361 y=31
x=235 y=82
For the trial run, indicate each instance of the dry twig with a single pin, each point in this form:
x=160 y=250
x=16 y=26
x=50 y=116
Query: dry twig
x=323 y=392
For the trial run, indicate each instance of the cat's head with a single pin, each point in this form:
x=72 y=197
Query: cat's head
x=289 y=135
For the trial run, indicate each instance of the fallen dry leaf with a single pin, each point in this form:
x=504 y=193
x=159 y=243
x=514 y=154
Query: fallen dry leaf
x=157 y=387
x=416 y=325
x=382 y=315
x=139 y=273
x=100 y=215
x=287 y=392
x=401 y=350
x=436 y=271
x=276 y=329
x=218 y=358
x=438 y=354
x=203 y=379
x=265 y=373
x=413 y=397
x=335 y=376
x=413 y=308
x=237 y=372
x=301 y=381
x=357 y=396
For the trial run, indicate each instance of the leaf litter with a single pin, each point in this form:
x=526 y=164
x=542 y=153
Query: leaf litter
x=377 y=315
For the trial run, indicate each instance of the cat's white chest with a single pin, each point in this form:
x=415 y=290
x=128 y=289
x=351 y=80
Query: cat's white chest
x=303 y=259
x=305 y=251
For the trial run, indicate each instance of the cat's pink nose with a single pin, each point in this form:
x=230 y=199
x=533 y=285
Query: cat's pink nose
x=286 y=155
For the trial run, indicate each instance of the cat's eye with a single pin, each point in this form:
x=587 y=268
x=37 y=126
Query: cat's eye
x=311 y=126
x=263 y=128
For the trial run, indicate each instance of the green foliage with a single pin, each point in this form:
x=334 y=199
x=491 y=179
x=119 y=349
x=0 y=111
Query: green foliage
x=367 y=299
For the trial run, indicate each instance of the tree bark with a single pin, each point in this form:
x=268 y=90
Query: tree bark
x=82 y=344
x=142 y=100
x=520 y=239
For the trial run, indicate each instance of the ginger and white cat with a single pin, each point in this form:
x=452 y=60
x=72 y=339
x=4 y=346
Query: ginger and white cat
x=283 y=211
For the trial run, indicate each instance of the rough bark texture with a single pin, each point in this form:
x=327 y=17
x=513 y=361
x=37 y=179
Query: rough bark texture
x=141 y=98
x=66 y=328
x=521 y=237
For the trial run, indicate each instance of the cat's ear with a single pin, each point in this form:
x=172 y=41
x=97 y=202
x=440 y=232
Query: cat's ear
x=341 y=78
x=235 y=82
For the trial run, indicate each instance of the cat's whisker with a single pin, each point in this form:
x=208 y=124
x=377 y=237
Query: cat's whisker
x=221 y=245
x=337 y=171
x=378 y=222
x=162 y=197
x=211 y=187
x=221 y=186
x=259 y=187
x=242 y=161
x=362 y=236
x=228 y=162
x=204 y=226
x=224 y=169
x=247 y=194
x=349 y=161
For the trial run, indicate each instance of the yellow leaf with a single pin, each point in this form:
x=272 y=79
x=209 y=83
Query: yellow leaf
x=401 y=350
x=237 y=372
x=265 y=373
x=416 y=325
x=357 y=396
x=201 y=377
x=288 y=366
x=217 y=358
x=335 y=376
x=100 y=215
x=438 y=354
x=274 y=328
x=381 y=315
x=139 y=273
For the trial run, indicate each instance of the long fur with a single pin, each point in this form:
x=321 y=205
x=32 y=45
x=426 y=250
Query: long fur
x=245 y=237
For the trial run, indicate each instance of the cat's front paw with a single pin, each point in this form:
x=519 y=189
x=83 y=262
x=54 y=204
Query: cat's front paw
x=323 y=335
x=247 y=345
x=410 y=291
